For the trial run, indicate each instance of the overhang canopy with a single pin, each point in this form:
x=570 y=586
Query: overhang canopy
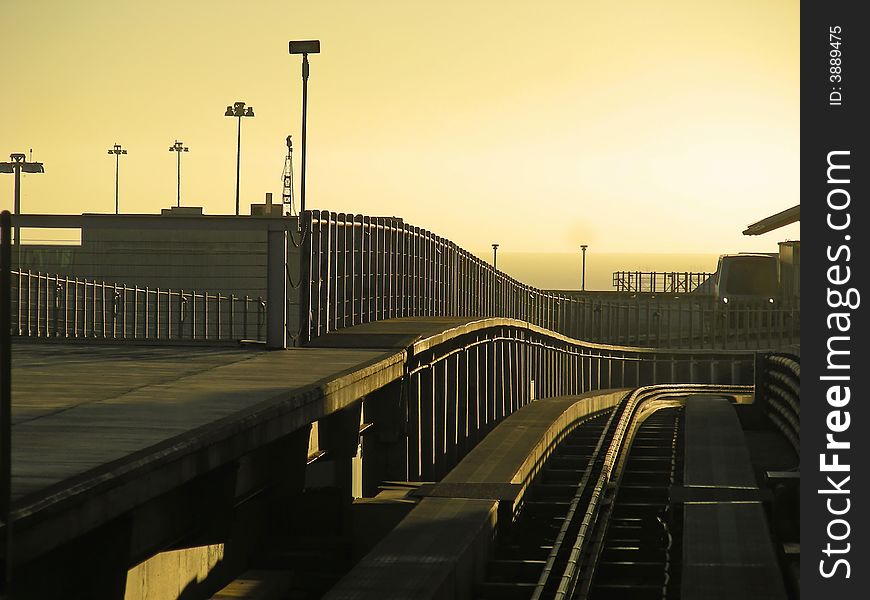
x=780 y=219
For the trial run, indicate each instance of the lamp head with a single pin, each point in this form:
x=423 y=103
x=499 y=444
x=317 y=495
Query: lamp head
x=305 y=47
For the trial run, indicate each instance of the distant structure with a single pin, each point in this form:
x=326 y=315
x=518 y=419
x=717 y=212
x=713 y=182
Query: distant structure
x=789 y=250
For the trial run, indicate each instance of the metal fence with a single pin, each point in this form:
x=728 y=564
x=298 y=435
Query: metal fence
x=358 y=269
x=778 y=389
x=54 y=306
x=457 y=389
x=658 y=281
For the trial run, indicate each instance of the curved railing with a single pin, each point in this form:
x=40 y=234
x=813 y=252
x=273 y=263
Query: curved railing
x=778 y=388
x=357 y=269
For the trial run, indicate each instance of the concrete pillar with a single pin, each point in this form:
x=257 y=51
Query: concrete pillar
x=384 y=451
x=338 y=435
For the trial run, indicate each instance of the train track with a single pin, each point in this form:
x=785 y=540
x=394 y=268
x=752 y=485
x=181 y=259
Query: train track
x=596 y=522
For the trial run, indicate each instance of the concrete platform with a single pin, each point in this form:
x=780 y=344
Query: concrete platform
x=99 y=429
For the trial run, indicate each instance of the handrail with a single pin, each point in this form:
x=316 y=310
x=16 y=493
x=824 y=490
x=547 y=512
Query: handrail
x=54 y=306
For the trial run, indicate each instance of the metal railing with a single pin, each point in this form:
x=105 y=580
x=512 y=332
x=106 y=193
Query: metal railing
x=778 y=390
x=358 y=269
x=54 y=306
x=658 y=281
x=484 y=372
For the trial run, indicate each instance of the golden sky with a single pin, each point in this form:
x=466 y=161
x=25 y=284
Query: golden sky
x=631 y=126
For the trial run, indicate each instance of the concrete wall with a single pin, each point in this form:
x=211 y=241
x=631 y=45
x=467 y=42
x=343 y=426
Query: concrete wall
x=166 y=575
x=195 y=258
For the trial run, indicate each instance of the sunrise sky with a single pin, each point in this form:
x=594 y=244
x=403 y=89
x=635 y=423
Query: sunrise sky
x=631 y=126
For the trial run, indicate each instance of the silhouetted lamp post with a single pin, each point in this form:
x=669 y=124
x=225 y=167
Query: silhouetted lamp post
x=583 y=275
x=178 y=148
x=238 y=110
x=304 y=47
x=495 y=256
x=117 y=151
x=19 y=165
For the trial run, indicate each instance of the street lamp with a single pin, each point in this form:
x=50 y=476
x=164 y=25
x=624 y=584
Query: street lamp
x=17 y=166
x=238 y=110
x=495 y=256
x=178 y=147
x=583 y=276
x=117 y=151
x=304 y=47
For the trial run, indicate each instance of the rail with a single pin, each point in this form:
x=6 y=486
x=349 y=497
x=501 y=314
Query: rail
x=778 y=384
x=53 y=306
x=478 y=374
x=658 y=281
x=358 y=269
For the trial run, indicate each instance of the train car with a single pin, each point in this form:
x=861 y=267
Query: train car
x=747 y=279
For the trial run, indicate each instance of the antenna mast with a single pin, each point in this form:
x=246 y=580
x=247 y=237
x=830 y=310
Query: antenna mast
x=287 y=194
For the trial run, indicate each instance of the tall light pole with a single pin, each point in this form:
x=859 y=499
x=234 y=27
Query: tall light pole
x=238 y=110
x=19 y=165
x=117 y=151
x=583 y=275
x=178 y=148
x=495 y=256
x=304 y=47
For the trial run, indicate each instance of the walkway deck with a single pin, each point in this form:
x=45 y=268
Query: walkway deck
x=100 y=428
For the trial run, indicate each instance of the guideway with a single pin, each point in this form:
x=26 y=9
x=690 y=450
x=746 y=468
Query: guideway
x=727 y=550
x=604 y=495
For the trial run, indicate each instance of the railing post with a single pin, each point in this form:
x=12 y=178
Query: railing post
x=276 y=287
x=5 y=389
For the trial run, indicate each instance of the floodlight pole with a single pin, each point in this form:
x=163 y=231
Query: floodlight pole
x=238 y=162
x=305 y=71
x=16 y=165
x=583 y=273
x=178 y=148
x=495 y=256
x=178 y=184
x=238 y=110
x=17 y=206
x=117 y=150
x=304 y=47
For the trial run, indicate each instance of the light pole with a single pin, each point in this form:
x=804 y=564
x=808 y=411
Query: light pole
x=19 y=165
x=495 y=256
x=304 y=47
x=117 y=151
x=583 y=275
x=238 y=110
x=178 y=148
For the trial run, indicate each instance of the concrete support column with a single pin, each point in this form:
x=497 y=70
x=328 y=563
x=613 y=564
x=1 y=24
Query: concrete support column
x=384 y=449
x=338 y=435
